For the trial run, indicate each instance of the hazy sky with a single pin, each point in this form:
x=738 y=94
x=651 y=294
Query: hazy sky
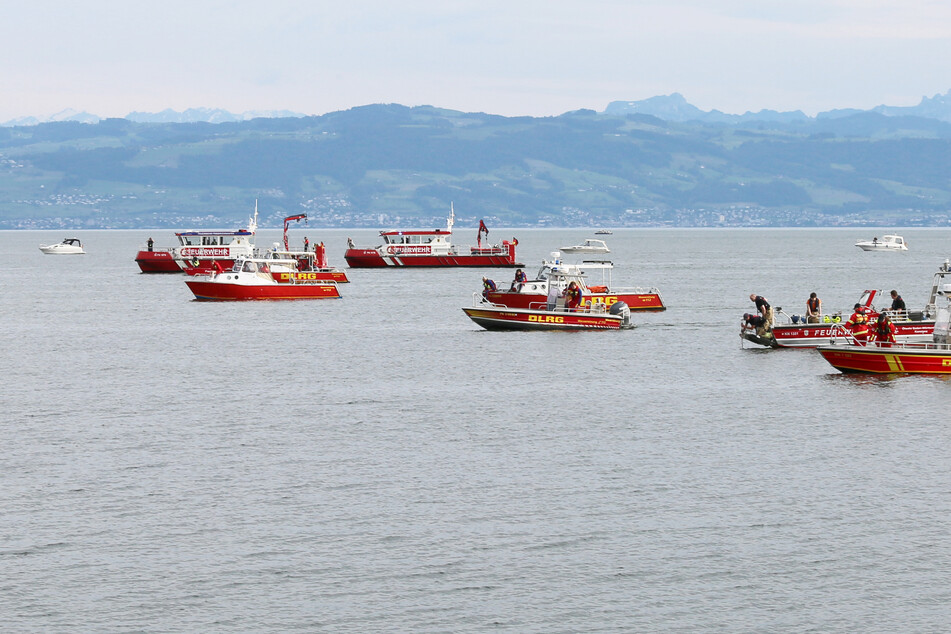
x=509 y=57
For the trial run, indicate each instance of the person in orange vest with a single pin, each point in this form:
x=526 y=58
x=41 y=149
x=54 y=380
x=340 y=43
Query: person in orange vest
x=884 y=332
x=858 y=325
x=813 y=309
x=573 y=296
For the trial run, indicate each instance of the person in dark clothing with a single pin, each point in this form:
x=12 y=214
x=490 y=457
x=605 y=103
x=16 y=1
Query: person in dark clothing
x=763 y=308
x=150 y=243
x=898 y=304
x=487 y=287
x=813 y=308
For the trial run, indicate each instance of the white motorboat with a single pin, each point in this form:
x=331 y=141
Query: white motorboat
x=588 y=246
x=887 y=243
x=603 y=232
x=69 y=246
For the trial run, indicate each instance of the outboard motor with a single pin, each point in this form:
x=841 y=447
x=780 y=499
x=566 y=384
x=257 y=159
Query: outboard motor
x=622 y=310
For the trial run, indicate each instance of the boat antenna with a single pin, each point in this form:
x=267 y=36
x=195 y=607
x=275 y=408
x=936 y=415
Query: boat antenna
x=452 y=218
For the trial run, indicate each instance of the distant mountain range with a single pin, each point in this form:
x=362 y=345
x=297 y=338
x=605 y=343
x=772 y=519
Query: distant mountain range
x=660 y=162
x=673 y=107
x=191 y=115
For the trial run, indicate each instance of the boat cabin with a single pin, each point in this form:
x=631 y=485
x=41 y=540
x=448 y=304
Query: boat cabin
x=211 y=238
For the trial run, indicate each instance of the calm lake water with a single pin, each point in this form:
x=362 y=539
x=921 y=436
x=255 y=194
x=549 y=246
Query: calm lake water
x=380 y=463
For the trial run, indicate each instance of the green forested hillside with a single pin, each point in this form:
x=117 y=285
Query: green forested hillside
x=388 y=164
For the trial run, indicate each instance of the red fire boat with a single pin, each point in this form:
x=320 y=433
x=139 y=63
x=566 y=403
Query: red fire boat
x=431 y=248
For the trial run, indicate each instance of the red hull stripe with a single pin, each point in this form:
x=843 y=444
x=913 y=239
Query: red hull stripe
x=219 y=291
x=369 y=258
x=885 y=361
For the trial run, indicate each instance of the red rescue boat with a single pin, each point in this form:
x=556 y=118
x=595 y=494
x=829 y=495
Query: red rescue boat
x=792 y=331
x=431 y=248
x=893 y=358
x=555 y=276
x=543 y=316
x=162 y=260
x=251 y=278
x=197 y=251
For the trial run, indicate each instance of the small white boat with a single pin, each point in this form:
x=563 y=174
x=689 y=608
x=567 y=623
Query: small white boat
x=887 y=243
x=588 y=246
x=69 y=246
x=603 y=232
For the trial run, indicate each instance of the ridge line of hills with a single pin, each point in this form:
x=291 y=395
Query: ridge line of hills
x=392 y=165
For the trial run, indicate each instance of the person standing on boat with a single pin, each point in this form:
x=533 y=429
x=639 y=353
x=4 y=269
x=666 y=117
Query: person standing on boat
x=150 y=243
x=520 y=278
x=488 y=286
x=884 y=332
x=813 y=309
x=763 y=308
x=306 y=243
x=898 y=304
x=858 y=325
x=573 y=296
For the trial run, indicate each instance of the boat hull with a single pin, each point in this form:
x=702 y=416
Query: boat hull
x=912 y=359
x=636 y=302
x=503 y=318
x=869 y=247
x=157 y=262
x=217 y=289
x=373 y=259
x=813 y=335
x=57 y=250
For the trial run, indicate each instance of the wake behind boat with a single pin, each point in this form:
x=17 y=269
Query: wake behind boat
x=431 y=248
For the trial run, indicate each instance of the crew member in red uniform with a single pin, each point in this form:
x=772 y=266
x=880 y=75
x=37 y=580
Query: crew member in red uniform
x=858 y=325
x=884 y=332
x=573 y=296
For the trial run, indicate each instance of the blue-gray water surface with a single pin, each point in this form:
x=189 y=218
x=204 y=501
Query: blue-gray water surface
x=380 y=463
